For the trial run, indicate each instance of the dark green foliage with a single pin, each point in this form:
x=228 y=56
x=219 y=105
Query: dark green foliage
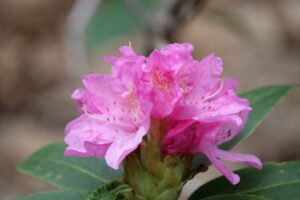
x=274 y=181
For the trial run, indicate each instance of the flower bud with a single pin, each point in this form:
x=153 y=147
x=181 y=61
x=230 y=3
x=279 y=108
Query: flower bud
x=153 y=175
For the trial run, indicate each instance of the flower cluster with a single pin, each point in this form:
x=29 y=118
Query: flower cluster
x=198 y=108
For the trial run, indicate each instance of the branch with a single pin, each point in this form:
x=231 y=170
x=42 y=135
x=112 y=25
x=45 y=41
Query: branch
x=75 y=54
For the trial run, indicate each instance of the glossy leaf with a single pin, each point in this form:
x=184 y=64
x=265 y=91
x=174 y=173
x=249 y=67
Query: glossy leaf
x=234 y=197
x=274 y=181
x=262 y=101
x=68 y=173
x=53 y=195
x=109 y=191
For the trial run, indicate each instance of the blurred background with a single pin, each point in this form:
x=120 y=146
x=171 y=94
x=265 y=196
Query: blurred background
x=46 y=46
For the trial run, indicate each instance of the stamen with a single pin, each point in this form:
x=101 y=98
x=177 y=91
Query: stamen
x=91 y=115
x=131 y=98
x=217 y=92
x=130 y=44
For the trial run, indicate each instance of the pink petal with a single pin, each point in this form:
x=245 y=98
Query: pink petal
x=232 y=177
x=96 y=150
x=84 y=130
x=209 y=72
x=214 y=154
x=103 y=85
x=161 y=71
x=127 y=66
x=238 y=157
x=198 y=80
x=179 y=50
x=123 y=146
x=226 y=103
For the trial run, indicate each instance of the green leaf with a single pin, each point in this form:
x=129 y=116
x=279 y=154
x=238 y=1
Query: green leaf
x=112 y=20
x=68 y=173
x=262 y=101
x=274 y=181
x=109 y=191
x=168 y=195
x=53 y=195
x=234 y=197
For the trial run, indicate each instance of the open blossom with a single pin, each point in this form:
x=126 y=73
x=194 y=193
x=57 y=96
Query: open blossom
x=199 y=108
x=113 y=117
x=209 y=114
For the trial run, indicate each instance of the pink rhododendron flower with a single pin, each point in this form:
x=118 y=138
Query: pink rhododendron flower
x=199 y=108
x=113 y=118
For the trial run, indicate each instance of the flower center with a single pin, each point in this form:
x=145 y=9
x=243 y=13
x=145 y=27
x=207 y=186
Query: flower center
x=162 y=81
x=131 y=98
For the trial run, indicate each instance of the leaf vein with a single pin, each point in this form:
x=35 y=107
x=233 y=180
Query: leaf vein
x=82 y=170
x=269 y=187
